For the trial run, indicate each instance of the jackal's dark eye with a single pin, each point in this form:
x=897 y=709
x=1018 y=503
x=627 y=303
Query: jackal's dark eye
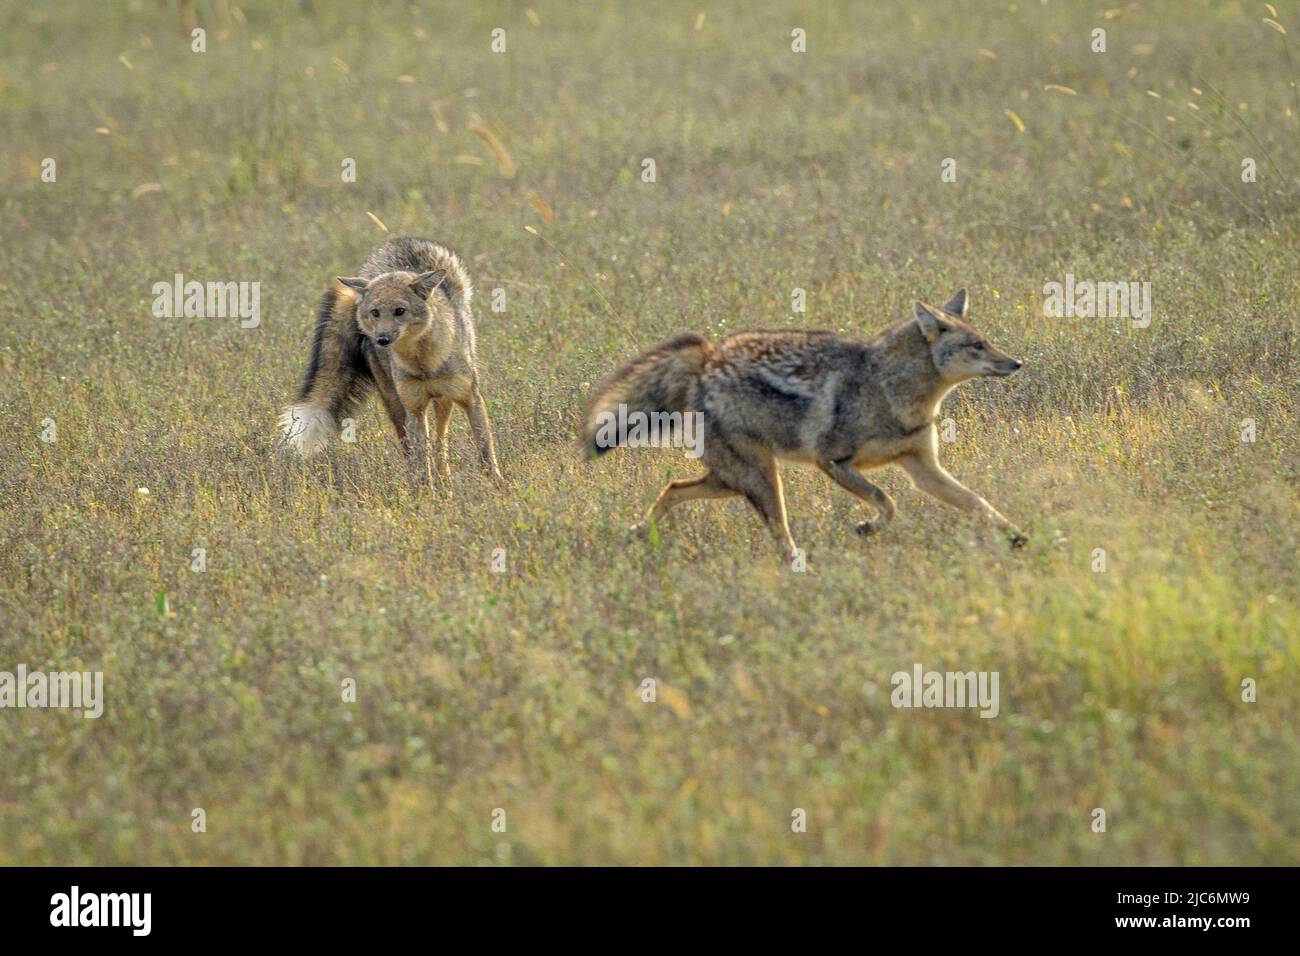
x=399 y=312
x=374 y=313
x=978 y=346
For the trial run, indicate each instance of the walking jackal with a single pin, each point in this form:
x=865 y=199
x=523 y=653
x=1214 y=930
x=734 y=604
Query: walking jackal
x=845 y=406
x=403 y=328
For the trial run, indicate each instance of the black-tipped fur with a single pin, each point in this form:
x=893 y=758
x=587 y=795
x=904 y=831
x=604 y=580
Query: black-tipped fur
x=339 y=372
x=663 y=379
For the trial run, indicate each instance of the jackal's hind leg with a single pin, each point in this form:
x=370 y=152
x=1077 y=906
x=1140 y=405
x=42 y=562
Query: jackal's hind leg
x=759 y=480
x=683 y=489
x=779 y=522
x=852 y=480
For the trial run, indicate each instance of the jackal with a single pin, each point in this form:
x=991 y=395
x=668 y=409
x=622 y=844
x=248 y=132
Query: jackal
x=403 y=328
x=845 y=406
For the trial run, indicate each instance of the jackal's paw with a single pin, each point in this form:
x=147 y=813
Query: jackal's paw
x=869 y=527
x=639 y=530
x=1018 y=540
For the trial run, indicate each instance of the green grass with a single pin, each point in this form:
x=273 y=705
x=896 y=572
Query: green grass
x=776 y=170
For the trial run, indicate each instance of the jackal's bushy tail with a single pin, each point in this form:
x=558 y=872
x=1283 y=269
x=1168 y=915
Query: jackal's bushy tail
x=337 y=380
x=660 y=380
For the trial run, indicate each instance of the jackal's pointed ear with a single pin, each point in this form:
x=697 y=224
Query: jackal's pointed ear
x=931 y=321
x=957 y=305
x=355 y=283
x=426 y=282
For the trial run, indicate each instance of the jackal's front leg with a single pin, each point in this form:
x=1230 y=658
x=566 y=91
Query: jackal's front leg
x=392 y=402
x=929 y=476
x=852 y=480
x=417 y=436
x=441 y=418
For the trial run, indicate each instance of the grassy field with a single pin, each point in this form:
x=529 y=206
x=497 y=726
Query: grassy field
x=519 y=691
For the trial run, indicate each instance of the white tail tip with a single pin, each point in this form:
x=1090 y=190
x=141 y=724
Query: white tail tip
x=307 y=429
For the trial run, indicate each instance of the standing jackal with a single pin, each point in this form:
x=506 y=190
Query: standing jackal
x=404 y=329
x=843 y=405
